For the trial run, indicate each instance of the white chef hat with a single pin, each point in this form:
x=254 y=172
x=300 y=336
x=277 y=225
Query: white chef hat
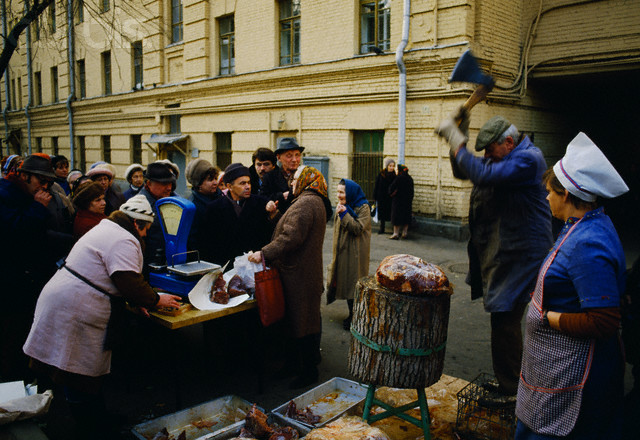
x=586 y=173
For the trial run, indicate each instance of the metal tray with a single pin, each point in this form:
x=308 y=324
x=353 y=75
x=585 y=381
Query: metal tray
x=221 y=413
x=193 y=268
x=234 y=430
x=329 y=401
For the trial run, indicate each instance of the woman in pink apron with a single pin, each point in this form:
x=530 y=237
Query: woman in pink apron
x=571 y=383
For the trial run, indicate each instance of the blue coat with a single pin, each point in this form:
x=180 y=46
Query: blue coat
x=510 y=225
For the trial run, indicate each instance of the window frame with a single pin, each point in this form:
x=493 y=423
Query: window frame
x=55 y=87
x=136 y=148
x=37 y=84
x=82 y=78
x=105 y=148
x=79 y=12
x=52 y=17
x=105 y=6
x=383 y=44
x=137 y=56
x=224 y=149
x=176 y=15
x=293 y=24
x=106 y=73
x=230 y=38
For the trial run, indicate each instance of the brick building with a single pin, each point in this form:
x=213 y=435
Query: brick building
x=218 y=78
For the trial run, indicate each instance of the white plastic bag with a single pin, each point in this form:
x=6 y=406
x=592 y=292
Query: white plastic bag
x=245 y=270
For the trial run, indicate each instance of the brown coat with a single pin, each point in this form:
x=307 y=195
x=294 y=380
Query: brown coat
x=296 y=250
x=350 y=262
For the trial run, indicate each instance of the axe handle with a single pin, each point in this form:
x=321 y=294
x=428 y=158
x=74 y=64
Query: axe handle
x=478 y=95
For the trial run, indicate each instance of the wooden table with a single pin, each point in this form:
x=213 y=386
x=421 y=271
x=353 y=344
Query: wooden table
x=195 y=316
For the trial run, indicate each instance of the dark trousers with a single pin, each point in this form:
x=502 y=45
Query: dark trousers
x=506 y=347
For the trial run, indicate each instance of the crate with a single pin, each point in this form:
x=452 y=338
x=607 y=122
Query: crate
x=475 y=421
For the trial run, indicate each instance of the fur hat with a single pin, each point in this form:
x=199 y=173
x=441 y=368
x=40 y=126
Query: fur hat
x=100 y=170
x=197 y=170
x=138 y=207
x=86 y=194
x=387 y=161
x=131 y=169
x=233 y=171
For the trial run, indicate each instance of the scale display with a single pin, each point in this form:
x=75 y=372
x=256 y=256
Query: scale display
x=176 y=216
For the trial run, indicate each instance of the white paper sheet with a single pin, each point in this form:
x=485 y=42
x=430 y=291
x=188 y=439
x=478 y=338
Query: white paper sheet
x=199 y=295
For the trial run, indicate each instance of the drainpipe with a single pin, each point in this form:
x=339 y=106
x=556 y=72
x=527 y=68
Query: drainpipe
x=6 y=79
x=402 y=98
x=29 y=81
x=72 y=83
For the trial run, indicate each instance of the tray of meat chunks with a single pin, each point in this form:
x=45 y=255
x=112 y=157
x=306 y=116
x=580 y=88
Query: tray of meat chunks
x=196 y=423
x=257 y=425
x=322 y=404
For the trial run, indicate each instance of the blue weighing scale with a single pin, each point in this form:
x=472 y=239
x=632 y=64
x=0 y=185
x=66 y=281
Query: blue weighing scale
x=178 y=276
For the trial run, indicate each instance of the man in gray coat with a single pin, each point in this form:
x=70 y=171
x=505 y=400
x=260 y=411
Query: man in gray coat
x=510 y=225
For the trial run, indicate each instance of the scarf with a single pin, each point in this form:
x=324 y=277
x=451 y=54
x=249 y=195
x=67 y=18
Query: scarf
x=311 y=179
x=355 y=196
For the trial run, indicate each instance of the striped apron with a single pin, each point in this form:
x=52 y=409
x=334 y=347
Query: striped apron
x=555 y=368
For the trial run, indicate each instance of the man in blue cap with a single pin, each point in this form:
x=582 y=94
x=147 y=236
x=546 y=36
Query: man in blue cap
x=276 y=184
x=510 y=225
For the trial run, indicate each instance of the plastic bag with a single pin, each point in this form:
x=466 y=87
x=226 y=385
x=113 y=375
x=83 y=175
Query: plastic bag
x=246 y=270
x=375 y=217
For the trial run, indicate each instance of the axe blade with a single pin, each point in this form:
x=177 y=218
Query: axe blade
x=468 y=70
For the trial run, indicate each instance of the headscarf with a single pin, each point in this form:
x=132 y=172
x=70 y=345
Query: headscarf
x=310 y=178
x=402 y=168
x=355 y=196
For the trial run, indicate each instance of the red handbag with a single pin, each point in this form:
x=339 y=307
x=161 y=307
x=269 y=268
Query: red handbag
x=269 y=295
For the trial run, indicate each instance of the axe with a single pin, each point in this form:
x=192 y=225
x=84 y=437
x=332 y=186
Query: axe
x=467 y=70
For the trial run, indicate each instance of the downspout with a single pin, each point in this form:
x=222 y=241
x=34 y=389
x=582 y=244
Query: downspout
x=72 y=83
x=402 y=93
x=5 y=110
x=29 y=81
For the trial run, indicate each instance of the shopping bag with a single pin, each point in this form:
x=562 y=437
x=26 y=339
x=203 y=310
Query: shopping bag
x=269 y=295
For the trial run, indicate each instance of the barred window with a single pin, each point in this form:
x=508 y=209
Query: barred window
x=366 y=159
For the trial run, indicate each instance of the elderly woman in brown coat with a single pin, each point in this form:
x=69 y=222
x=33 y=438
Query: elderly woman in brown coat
x=296 y=250
x=351 y=243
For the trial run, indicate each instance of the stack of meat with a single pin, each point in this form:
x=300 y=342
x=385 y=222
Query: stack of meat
x=221 y=293
x=257 y=428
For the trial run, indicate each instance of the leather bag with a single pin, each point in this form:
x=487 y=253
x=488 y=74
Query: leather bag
x=269 y=295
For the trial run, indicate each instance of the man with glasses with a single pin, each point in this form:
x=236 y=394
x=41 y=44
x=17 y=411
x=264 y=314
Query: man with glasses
x=24 y=263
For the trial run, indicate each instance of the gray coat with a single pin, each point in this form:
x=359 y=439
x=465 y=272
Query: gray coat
x=296 y=251
x=351 y=244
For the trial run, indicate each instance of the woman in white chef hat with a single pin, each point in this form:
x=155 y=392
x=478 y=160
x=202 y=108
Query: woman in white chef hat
x=571 y=383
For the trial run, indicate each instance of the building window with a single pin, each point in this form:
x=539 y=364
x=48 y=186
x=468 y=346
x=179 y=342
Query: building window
x=37 y=85
x=54 y=146
x=19 y=92
x=136 y=51
x=227 y=45
x=12 y=106
x=80 y=11
x=106 y=72
x=55 y=96
x=82 y=79
x=375 y=25
x=289 y=32
x=38 y=145
x=36 y=29
x=366 y=160
x=174 y=124
x=52 y=17
x=223 y=150
x=136 y=148
x=106 y=148
x=104 y=5
x=81 y=153
x=176 y=21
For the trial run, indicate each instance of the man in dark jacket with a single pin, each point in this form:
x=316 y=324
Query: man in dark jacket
x=263 y=161
x=203 y=178
x=276 y=185
x=239 y=221
x=24 y=263
x=159 y=181
x=510 y=224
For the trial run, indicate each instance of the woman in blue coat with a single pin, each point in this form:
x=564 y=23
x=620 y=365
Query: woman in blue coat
x=571 y=383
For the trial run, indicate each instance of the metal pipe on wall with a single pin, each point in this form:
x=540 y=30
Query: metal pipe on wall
x=402 y=92
x=72 y=82
x=5 y=110
x=29 y=81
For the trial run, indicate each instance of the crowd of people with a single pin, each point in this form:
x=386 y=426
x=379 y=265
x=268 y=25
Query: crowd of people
x=80 y=248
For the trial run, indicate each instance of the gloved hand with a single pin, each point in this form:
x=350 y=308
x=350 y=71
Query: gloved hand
x=463 y=118
x=449 y=130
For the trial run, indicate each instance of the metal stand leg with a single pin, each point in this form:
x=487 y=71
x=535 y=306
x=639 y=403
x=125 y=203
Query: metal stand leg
x=424 y=422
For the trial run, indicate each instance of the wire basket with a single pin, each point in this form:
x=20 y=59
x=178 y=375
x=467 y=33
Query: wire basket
x=476 y=421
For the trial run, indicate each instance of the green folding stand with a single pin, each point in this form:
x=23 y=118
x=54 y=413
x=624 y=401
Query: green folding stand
x=423 y=423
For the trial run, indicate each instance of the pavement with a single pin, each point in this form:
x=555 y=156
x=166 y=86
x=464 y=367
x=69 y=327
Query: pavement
x=161 y=371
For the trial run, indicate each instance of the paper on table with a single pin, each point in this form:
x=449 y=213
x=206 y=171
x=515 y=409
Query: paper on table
x=12 y=390
x=199 y=295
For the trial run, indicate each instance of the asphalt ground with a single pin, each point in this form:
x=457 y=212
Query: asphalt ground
x=160 y=371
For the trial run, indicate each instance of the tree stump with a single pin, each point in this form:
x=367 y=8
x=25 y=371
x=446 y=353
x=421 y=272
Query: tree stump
x=398 y=340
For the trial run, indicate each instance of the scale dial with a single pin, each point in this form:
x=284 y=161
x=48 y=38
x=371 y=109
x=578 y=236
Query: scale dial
x=171 y=216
